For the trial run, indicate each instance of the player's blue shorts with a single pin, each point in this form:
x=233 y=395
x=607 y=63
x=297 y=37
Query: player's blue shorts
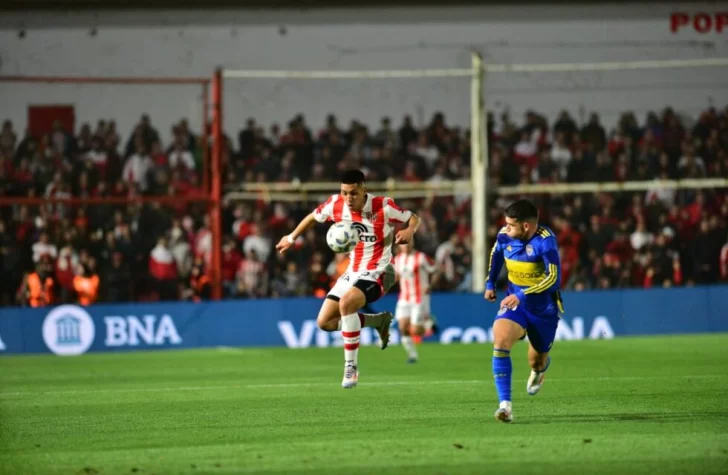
x=541 y=329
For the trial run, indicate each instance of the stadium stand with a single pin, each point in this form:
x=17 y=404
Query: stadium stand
x=104 y=253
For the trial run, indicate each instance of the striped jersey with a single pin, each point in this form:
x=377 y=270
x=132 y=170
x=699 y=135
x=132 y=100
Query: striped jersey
x=375 y=223
x=414 y=270
x=534 y=268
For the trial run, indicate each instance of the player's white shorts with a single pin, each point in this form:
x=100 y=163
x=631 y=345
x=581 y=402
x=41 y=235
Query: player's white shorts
x=416 y=312
x=374 y=283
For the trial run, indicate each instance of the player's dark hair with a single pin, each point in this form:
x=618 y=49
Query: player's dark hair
x=353 y=177
x=522 y=210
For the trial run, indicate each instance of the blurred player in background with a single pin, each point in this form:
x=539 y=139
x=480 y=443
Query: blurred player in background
x=414 y=269
x=370 y=273
x=533 y=304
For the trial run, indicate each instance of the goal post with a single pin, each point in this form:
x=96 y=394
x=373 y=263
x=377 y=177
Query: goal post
x=477 y=185
x=479 y=174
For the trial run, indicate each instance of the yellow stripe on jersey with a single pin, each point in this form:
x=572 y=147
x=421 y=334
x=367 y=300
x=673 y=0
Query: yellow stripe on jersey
x=490 y=260
x=492 y=251
x=543 y=232
x=545 y=283
x=525 y=274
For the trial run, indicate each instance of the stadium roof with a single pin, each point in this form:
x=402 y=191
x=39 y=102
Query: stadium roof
x=25 y=5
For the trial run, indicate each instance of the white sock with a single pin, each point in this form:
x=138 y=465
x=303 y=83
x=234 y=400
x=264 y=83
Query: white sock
x=350 y=330
x=362 y=321
x=409 y=346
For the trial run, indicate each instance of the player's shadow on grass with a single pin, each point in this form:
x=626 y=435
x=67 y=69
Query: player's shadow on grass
x=641 y=417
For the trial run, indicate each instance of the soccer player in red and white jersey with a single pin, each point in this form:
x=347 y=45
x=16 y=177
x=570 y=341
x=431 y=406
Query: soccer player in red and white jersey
x=370 y=274
x=414 y=269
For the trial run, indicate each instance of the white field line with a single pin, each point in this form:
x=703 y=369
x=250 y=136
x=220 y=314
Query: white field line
x=334 y=383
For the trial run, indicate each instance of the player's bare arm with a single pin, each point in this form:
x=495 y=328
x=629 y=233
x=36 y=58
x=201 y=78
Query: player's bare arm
x=287 y=241
x=405 y=235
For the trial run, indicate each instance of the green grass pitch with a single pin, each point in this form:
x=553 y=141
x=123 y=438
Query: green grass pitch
x=632 y=405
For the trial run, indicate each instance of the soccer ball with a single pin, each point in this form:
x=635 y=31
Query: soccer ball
x=342 y=237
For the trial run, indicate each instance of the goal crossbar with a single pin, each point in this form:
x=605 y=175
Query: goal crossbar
x=452 y=187
x=598 y=187
x=390 y=185
x=490 y=68
x=414 y=73
x=320 y=196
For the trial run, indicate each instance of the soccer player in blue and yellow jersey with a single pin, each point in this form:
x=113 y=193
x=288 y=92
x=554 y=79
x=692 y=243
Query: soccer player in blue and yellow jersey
x=533 y=304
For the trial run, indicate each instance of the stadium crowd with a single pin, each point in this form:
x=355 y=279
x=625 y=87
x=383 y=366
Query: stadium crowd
x=55 y=253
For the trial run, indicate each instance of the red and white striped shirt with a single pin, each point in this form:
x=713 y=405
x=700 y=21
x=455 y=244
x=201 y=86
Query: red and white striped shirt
x=376 y=228
x=414 y=271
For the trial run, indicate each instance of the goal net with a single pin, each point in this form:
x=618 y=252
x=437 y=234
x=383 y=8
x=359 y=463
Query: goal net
x=365 y=96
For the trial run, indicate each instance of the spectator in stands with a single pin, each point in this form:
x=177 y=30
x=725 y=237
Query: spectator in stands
x=86 y=284
x=259 y=242
x=66 y=266
x=526 y=150
x=640 y=237
x=706 y=248
x=252 y=276
x=649 y=242
x=292 y=282
x=181 y=157
x=462 y=265
x=202 y=240
x=320 y=282
x=117 y=280
x=593 y=133
x=561 y=153
x=565 y=126
x=163 y=270
x=97 y=154
x=62 y=142
x=8 y=139
x=445 y=261
x=83 y=140
x=336 y=268
x=180 y=248
x=724 y=262
x=385 y=136
x=231 y=260
x=44 y=248
x=136 y=170
x=144 y=135
x=407 y=133
x=199 y=287
x=426 y=150
x=690 y=165
x=9 y=265
x=38 y=289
